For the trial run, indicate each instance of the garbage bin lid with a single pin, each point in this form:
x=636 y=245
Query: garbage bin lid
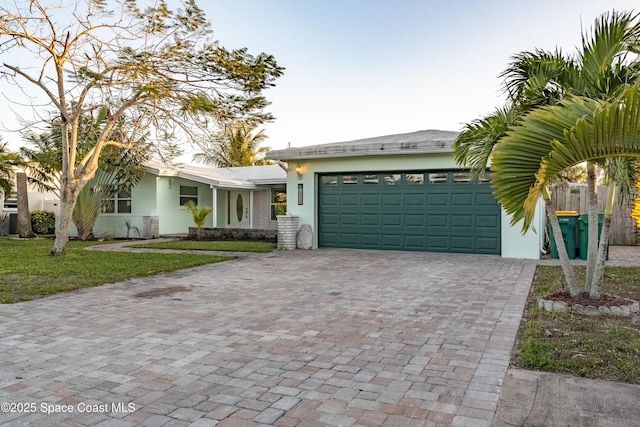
x=566 y=213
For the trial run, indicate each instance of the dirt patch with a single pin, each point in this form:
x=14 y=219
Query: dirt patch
x=160 y=292
x=605 y=300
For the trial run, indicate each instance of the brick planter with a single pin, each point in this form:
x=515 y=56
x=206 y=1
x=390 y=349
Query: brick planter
x=287 y=231
x=590 y=310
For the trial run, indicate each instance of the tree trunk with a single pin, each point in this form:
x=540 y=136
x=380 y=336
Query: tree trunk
x=562 y=250
x=24 y=216
x=592 y=230
x=67 y=203
x=598 y=274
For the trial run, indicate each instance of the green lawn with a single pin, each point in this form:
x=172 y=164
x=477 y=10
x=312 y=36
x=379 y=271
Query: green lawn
x=207 y=245
x=604 y=347
x=27 y=271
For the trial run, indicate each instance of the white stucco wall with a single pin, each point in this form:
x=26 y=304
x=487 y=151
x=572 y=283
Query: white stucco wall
x=514 y=243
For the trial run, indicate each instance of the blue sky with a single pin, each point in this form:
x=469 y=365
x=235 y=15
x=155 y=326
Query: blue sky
x=363 y=68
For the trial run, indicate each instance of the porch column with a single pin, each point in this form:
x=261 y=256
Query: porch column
x=251 y=209
x=214 y=202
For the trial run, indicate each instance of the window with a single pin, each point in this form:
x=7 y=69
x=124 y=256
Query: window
x=330 y=180
x=437 y=178
x=11 y=202
x=349 y=179
x=415 y=179
x=278 y=202
x=188 y=193
x=461 y=177
x=371 y=179
x=120 y=203
x=392 y=179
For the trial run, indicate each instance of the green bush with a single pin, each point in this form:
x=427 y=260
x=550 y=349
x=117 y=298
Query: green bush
x=43 y=222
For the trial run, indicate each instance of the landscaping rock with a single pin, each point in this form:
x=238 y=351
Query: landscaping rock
x=305 y=237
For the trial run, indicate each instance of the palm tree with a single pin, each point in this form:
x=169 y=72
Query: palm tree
x=236 y=145
x=8 y=163
x=199 y=215
x=604 y=67
x=577 y=130
x=119 y=169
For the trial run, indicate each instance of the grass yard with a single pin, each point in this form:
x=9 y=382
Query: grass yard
x=604 y=347
x=207 y=245
x=27 y=271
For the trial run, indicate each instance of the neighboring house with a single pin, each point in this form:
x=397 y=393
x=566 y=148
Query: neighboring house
x=241 y=197
x=38 y=200
x=399 y=192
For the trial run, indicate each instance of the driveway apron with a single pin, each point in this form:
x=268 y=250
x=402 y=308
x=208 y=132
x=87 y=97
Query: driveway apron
x=309 y=338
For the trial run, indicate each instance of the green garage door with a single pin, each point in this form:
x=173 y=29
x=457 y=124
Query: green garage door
x=421 y=211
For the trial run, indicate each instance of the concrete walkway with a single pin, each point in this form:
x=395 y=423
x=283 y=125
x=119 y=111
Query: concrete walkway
x=302 y=338
x=543 y=399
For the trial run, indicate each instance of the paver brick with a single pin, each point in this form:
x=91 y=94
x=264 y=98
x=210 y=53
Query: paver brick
x=357 y=338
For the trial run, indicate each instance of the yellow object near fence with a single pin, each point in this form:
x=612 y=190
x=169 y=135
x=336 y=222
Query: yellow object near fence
x=635 y=213
x=566 y=213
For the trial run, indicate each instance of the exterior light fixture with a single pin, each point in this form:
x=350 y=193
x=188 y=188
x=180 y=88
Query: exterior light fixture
x=299 y=171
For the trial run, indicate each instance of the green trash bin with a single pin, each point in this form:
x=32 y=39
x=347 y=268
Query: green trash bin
x=583 y=225
x=568 y=226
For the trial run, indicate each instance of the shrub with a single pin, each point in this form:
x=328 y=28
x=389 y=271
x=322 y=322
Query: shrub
x=43 y=222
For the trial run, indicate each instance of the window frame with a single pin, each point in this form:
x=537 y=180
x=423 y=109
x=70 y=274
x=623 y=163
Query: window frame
x=184 y=197
x=273 y=210
x=115 y=203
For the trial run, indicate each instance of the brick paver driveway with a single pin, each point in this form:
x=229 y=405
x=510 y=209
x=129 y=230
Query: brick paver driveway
x=309 y=338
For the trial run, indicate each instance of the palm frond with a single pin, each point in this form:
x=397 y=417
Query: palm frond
x=472 y=148
x=517 y=158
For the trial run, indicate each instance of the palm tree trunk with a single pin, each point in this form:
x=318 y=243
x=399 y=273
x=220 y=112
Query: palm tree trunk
x=598 y=274
x=570 y=277
x=592 y=230
x=24 y=217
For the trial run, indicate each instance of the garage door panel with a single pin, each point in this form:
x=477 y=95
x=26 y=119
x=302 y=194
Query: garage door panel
x=349 y=219
x=349 y=199
x=438 y=243
x=462 y=221
x=462 y=200
x=414 y=242
x=436 y=199
x=439 y=220
x=391 y=220
x=487 y=221
x=486 y=243
x=462 y=243
x=370 y=199
x=370 y=240
x=328 y=200
x=370 y=220
x=413 y=199
x=414 y=220
x=487 y=199
x=350 y=239
x=329 y=219
x=430 y=211
x=392 y=241
x=392 y=199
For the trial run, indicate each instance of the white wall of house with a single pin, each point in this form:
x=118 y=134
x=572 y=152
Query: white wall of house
x=514 y=243
x=175 y=218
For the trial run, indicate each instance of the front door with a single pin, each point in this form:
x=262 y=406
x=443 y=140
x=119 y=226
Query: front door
x=238 y=209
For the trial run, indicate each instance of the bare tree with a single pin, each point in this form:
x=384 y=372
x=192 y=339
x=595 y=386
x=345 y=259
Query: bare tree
x=160 y=69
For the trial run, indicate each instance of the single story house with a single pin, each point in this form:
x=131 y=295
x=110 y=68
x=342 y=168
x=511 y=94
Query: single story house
x=399 y=192
x=241 y=197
